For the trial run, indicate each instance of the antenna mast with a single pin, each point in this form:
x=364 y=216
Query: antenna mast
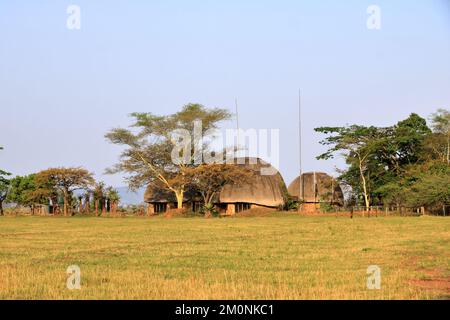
x=237 y=126
x=300 y=189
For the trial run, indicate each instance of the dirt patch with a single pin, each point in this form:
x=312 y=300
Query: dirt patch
x=255 y=212
x=433 y=280
x=174 y=213
x=438 y=284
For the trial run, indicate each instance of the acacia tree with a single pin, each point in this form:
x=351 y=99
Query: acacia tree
x=357 y=144
x=209 y=179
x=4 y=187
x=148 y=155
x=65 y=181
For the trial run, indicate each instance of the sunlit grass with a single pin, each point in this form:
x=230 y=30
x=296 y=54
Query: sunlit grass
x=276 y=257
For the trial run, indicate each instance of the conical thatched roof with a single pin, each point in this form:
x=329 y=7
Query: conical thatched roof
x=316 y=187
x=264 y=190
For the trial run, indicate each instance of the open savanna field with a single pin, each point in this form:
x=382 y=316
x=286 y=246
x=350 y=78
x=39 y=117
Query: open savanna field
x=281 y=256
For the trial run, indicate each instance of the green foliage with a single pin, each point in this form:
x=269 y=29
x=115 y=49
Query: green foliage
x=326 y=207
x=394 y=165
x=63 y=182
x=150 y=143
x=358 y=144
x=211 y=208
x=439 y=142
x=291 y=205
x=23 y=191
x=2 y=172
x=112 y=194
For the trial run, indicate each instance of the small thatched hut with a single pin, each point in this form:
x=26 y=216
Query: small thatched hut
x=315 y=188
x=263 y=191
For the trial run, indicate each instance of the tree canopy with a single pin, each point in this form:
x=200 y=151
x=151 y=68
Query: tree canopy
x=64 y=181
x=209 y=179
x=150 y=143
x=394 y=165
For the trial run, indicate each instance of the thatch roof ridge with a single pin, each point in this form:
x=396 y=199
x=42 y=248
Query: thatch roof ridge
x=264 y=190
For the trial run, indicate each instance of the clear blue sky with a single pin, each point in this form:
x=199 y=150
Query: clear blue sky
x=61 y=90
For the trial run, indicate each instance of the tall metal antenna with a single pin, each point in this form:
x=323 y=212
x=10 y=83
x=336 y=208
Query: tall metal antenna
x=300 y=189
x=237 y=124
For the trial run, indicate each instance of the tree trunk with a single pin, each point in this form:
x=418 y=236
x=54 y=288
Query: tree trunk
x=112 y=207
x=1 y=207
x=66 y=204
x=96 y=206
x=179 y=195
x=104 y=207
x=208 y=205
x=87 y=204
x=363 y=180
x=80 y=207
x=54 y=204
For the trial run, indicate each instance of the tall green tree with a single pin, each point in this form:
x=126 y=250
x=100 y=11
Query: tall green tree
x=428 y=185
x=439 y=144
x=377 y=158
x=23 y=191
x=150 y=143
x=400 y=147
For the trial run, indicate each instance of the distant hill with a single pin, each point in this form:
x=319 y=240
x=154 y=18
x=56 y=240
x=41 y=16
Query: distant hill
x=127 y=197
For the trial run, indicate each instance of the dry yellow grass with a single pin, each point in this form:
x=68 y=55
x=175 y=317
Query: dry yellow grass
x=282 y=256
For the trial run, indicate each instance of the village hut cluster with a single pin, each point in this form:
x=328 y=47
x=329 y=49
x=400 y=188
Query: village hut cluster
x=311 y=190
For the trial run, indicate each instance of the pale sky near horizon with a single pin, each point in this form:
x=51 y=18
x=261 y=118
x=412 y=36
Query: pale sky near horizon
x=61 y=90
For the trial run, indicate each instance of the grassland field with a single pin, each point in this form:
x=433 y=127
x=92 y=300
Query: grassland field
x=281 y=256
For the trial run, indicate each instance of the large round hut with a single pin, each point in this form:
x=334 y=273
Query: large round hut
x=315 y=188
x=262 y=190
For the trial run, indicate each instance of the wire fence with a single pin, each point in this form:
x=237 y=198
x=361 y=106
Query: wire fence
x=396 y=211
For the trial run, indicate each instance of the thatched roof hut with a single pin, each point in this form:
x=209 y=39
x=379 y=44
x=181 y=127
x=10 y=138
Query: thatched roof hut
x=261 y=190
x=316 y=187
x=155 y=194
